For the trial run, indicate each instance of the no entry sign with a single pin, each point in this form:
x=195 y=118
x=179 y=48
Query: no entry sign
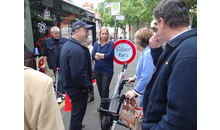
x=124 y=51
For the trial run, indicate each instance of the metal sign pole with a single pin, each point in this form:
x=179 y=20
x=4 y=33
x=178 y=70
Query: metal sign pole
x=115 y=34
x=115 y=10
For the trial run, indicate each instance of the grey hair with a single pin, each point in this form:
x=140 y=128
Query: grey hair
x=174 y=12
x=89 y=40
x=54 y=28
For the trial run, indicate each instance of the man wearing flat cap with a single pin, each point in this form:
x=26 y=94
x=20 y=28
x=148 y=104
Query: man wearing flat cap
x=75 y=62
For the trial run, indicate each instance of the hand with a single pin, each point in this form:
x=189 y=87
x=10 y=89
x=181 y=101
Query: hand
x=43 y=66
x=97 y=54
x=97 y=58
x=155 y=41
x=130 y=94
x=131 y=79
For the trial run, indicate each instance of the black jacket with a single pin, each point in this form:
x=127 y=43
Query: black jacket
x=75 y=63
x=170 y=99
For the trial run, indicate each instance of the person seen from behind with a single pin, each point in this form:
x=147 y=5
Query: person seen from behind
x=41 y=111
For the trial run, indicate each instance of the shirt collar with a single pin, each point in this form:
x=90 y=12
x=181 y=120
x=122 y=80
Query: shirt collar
x=147 y=48
x=89 y=45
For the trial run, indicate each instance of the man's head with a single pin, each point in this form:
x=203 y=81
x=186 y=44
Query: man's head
x=80 y=31
x=89 y=41
x=171 y=18
x=55 y=31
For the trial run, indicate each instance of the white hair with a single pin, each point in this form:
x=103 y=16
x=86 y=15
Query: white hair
x=54 y=28
x=89 y=40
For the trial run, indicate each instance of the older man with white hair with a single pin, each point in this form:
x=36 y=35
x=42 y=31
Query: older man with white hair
x=51 y=54
x=88 y=44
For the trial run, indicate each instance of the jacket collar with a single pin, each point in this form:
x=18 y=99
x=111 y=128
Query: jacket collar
x=178 y=39
x=75 y=41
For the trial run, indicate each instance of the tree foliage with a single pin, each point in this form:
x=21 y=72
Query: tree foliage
x=134 y=11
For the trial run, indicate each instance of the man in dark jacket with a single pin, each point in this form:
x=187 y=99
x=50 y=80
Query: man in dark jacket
x=170 y=99
x=51 y=54
x=75 y=63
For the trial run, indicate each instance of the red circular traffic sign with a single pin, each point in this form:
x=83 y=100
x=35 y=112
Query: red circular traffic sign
x=124 y=51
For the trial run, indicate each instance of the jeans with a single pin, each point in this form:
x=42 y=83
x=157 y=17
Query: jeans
x=91 y=90
x=78 y=110
x=103 y=82
x=60 y=83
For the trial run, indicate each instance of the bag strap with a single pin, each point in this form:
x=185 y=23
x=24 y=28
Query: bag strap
x=130 y=103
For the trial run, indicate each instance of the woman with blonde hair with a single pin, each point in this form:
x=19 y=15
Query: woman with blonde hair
x=145 y=67
x=103 y=53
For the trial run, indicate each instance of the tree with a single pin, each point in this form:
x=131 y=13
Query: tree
x=193 y=12
x=148 y=11
x=131 y=9
x=136 y=11
x=151 y=4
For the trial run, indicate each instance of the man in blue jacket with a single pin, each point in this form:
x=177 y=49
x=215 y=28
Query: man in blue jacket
x=170 y=99
x=75 y=63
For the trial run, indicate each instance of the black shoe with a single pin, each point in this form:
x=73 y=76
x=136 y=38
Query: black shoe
x=83 y=125
x=90 y=99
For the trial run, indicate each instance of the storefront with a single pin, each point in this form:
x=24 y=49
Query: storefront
x=41 y=15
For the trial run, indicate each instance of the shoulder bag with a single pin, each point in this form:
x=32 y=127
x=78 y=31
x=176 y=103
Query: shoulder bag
x=132 y=115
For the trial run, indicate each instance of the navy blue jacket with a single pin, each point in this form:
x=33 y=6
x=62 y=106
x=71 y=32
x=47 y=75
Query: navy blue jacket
x=105 y=65
x=50 y=50
x=170 y=99
x=75 y=63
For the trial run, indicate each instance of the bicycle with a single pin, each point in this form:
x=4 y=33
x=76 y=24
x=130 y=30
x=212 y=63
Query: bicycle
x=110 y=117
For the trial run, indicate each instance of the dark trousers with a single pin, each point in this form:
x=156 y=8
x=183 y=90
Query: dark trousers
x=78 y=110
x=91 y=90
x=60 y=83
x=103 y=81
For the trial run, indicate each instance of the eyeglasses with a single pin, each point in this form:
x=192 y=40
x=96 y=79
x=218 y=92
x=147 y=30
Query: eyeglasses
x=155 y=23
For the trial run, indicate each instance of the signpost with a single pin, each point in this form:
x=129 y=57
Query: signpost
x=115 y=10
x=124 y=51
x=120 y=17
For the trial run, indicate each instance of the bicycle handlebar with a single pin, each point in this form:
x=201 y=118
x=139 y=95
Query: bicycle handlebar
x=126 y=80
x=124 y=66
